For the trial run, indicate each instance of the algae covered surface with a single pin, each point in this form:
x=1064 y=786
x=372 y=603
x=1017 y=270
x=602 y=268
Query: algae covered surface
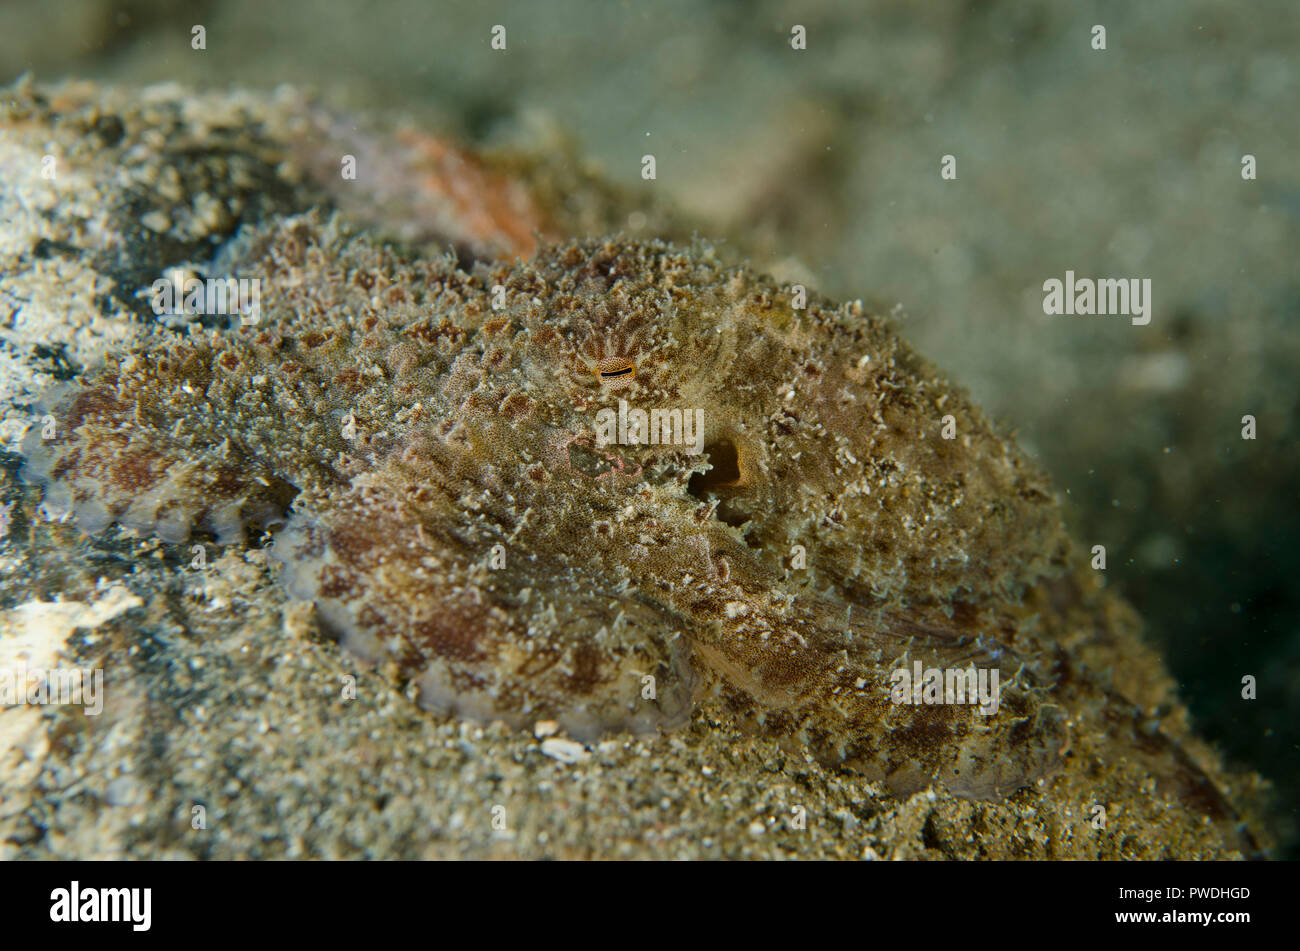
x=515 y=517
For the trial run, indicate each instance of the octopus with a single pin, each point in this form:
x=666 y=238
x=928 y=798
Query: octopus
x=416 y=446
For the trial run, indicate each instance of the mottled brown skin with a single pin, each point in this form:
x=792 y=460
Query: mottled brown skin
x=420 y=428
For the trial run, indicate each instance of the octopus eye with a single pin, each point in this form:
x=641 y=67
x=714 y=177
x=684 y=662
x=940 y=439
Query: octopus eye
x=616 y=371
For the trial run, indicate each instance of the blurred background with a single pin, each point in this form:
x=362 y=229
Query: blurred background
x=823 y=165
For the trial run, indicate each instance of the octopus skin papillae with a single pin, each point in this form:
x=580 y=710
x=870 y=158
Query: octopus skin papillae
x=416 y=446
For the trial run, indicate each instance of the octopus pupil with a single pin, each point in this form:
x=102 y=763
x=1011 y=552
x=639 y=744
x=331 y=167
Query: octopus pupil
x=606 y=374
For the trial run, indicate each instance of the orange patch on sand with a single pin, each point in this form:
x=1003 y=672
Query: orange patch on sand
x=488 y=207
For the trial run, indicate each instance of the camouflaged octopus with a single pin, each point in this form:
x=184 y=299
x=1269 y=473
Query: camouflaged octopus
x=422 y=444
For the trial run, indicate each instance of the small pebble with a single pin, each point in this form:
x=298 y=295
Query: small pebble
x=566 y=751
